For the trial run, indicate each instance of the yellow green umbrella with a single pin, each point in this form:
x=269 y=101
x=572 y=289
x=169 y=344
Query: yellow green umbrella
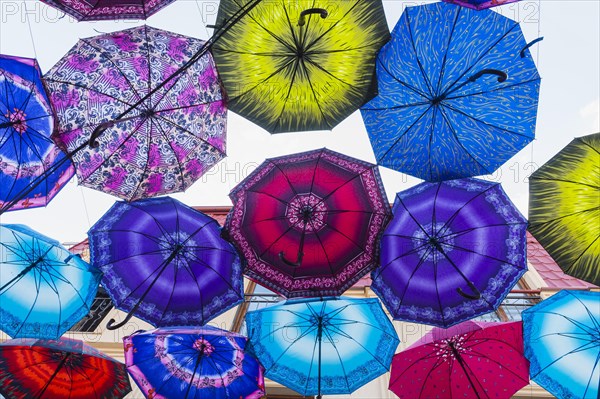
x=564 y=208
x=300 y=65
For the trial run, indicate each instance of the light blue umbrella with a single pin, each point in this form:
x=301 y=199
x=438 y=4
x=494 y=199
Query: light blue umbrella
x=323 y=346
x=44 y=289
x=562 y=342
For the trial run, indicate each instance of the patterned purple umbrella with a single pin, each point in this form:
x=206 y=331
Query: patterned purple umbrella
x=154 y=121
x=165 y=263
x=453 y=251
x=95 y=10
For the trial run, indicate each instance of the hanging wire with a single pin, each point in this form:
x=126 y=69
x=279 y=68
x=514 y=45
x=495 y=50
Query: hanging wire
x=24 y=2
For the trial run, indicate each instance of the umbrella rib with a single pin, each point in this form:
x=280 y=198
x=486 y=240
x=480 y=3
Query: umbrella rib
x=287 y=97
x=78 y=85
x=287 y=179
x=458 y=233
x=408 y=86
x=279 y=238
x=356 y=175
x=146 y=172
x=576 y=323
x=332 y=27
x=148 y=41
x=582 y=253
x=449 y=89
x=511 y=86
x=179 y=165
x=330 y=337
x=314 y=93
x=210 y=267
x=446 y=105
x=91 y=383
x=571 y=352
x=107 y=56
x=258 y=84
x=587 y=387
x=312 y=361
x=417 y=267
x=268 y=195
x=588 y=145
x=404 y=134
x=316 y=65
x=482 y=355
x=376 y=358
x=437 y=289
x=324 y=251
x=455 y=135
x=460 y=248
x=412 y=42
x=564 y=216
x=181 y=128
x=381 y=268
x=563 y=181
x=443 y=68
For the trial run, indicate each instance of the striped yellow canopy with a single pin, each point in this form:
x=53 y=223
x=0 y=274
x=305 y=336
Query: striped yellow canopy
x=564 y=208
x=299 y=65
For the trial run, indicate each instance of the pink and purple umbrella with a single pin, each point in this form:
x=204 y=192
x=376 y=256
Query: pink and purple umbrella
x=136 y=116
x=453 y=251
x=308 y=224
x=94 y=10
x=471 y=361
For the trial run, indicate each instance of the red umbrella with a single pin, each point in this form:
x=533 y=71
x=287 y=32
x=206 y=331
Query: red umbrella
x=473 y=360
x=66 y=368
x=308 y=224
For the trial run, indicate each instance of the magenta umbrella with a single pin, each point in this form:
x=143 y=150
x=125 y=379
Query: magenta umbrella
x=94 y=10
x=472 y=360
x=480 y=4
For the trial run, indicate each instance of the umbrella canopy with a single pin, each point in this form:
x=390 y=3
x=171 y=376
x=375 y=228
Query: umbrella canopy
x=149 y=132
x=301 y=65
x=165 y=262
x=323 y=346
x=480 y=4
x=562 y=342
x=200 y=363
x=26 y=150
x=96 y=10
x=453 y=251
x=67 y=368
x=44 y=289
x=308 y=223
x=470 y=360
x=564 y=207
x=446 y=81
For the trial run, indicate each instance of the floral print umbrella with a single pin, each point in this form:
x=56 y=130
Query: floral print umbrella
x=152 y=127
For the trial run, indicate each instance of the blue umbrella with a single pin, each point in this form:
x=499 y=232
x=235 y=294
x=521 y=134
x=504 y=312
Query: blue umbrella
x=562 y=342
x=323 y=346
x=458 y=93
x=27 y=154
x=44 y=289
x=188 y=362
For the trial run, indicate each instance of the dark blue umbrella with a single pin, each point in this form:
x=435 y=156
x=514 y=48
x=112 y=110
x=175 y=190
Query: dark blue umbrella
x=165 y=262
x=26 y=150
x=458 y=93
x=453 y=251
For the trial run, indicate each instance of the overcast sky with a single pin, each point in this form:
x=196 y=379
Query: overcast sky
x=568 y=60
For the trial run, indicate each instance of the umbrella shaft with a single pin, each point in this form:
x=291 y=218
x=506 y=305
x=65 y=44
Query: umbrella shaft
x=20 y=275
x=460 y=361
x=60 y=366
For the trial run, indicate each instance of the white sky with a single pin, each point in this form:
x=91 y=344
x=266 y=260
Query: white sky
x=568 y=60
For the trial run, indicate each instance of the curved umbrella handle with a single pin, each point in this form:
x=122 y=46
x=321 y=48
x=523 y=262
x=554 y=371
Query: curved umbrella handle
x=531 y=43
x=502 y=76
x=111 y=323
x=302 y=20
x=289 y=263
x=93 y=143
x=476 y=293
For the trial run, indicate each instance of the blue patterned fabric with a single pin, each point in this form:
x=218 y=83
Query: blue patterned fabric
x=44 y=289
x=357 y=342
x=429 y=119
x=562 y=342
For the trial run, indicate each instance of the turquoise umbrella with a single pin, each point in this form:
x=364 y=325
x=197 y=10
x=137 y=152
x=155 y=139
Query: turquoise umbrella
x=323 y=346
x=44 y=289
x=562 y=342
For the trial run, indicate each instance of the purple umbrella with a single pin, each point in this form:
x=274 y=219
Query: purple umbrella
x=453 y=251
x=94 y=10
x=165 y=262
x=480 y=4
